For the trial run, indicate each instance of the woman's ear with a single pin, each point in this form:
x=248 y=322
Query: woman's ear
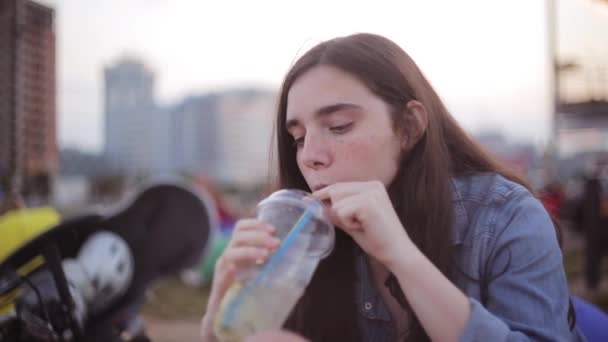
x=416 y=122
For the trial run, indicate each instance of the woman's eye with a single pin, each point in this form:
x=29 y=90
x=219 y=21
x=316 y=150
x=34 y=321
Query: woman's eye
x=341 y=129
x=299 y=142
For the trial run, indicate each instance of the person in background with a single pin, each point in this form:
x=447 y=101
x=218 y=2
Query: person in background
x=552 y=197
x=594 y=220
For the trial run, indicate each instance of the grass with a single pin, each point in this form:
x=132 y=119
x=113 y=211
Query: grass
x=172 y=300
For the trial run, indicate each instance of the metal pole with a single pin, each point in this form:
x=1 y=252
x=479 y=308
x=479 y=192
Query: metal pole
x=554 y=87
x=554 y=83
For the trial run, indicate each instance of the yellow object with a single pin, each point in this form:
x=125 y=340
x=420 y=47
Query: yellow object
x=225 y=334
x=17 y=227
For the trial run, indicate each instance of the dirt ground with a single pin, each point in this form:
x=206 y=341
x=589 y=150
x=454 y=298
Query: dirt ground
x=164 y=330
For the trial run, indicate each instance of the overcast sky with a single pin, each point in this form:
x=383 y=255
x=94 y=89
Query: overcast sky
x=487 y=58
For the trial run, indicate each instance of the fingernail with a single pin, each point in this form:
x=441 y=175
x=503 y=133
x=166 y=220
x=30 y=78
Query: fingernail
x=259 y=261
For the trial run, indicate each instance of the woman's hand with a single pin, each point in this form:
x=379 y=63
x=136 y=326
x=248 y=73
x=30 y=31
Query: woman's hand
x=252 y=242
x=364 y=211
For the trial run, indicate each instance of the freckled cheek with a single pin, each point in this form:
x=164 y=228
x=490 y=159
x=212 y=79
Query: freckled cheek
x=356 y=153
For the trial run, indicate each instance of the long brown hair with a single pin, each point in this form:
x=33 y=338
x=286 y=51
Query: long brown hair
x=421 y=192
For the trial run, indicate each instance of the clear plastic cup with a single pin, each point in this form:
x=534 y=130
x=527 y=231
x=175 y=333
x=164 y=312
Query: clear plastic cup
x=263 y=295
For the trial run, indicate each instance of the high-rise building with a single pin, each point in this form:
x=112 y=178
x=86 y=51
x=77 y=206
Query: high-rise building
x=195 y=135
x=246 y=130
x=136 y=129
x=28 y=141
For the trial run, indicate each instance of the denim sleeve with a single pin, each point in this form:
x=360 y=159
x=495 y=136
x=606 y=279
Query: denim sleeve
x=527 y=293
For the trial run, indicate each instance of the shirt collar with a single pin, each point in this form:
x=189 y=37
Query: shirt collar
x=369 y=301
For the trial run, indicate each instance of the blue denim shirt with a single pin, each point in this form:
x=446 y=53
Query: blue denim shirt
x=508 y=263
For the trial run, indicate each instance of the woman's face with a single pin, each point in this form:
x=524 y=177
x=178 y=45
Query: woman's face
x=342 y=131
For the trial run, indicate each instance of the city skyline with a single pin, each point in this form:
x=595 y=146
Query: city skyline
x=208 y=134
x=488 y=61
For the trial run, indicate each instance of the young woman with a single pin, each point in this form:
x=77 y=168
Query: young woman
x=435 y=240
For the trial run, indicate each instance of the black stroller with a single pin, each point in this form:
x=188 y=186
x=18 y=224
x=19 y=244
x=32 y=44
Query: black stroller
x=163 y=229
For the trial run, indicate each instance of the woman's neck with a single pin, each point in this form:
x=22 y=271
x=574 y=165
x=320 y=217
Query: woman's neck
x=379 y=274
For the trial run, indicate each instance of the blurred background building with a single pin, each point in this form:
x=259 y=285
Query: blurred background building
x=136 y=140
x=28 y=132
x=223 y=135
x=246 y=130
x=195 y=135
x=579 y=82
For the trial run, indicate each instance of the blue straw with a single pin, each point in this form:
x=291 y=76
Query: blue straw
x=274 y=260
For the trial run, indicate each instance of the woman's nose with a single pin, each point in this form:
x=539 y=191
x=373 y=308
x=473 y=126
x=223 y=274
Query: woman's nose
x=315 y=153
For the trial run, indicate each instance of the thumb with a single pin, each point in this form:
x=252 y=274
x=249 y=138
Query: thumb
x=221 y=283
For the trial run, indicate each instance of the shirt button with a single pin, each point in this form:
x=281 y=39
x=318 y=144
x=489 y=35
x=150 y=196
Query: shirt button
x=368 y=306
